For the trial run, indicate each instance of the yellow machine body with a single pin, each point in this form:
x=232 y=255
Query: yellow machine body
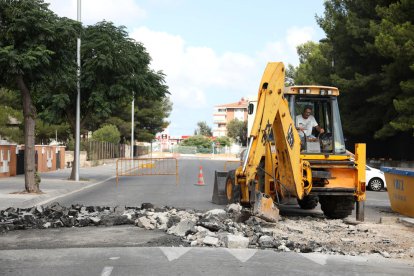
x=276 y=164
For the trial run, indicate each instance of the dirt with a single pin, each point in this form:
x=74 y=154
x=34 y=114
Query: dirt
x=390 y=239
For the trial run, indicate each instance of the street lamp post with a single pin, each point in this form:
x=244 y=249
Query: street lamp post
x=132 y=125
x=77 y=148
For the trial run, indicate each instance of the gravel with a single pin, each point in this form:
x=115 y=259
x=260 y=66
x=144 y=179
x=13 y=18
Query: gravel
x=233 y=227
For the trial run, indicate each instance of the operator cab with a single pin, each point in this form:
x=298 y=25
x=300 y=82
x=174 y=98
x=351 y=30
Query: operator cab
x=315 y=111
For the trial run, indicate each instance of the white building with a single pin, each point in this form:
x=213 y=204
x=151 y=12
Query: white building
x=225 y=113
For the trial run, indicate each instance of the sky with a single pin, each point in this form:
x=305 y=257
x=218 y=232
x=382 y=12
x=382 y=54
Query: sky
x=213 y=52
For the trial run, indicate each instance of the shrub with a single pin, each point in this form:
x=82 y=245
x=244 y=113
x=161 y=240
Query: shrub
x=107 y=133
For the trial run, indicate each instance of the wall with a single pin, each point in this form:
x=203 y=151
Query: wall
x=69 y=156
x=47 y=157
x=7 y=160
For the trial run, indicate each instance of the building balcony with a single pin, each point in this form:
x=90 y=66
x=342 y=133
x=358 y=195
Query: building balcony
x=219 y=121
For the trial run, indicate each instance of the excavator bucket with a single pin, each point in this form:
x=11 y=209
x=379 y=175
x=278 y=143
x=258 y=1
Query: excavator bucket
x=219 y=192
x=264 y=208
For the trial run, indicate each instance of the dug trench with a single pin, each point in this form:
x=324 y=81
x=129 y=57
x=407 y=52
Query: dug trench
x=233 y=227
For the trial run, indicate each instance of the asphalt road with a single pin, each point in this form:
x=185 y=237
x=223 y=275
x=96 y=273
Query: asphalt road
x=128 y=250
x=159 y=190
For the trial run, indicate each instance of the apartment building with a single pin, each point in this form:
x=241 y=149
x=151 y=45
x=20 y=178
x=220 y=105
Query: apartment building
x=225 y=113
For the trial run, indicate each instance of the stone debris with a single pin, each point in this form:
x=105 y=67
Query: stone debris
x=234 y=208
x=144 y=222
x=183 y=228
x=385 y=254
x=233 y=227
x=236 y=241
x=266 y=241
x=211 y=241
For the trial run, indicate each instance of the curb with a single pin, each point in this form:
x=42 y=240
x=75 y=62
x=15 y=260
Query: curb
x=407 y=221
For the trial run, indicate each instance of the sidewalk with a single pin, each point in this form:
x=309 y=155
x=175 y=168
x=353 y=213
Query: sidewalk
x=54 y=185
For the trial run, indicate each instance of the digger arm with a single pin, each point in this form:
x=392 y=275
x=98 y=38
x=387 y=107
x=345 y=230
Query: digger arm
x=272 y=114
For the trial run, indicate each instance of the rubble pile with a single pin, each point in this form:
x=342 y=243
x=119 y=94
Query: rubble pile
x=231 y=228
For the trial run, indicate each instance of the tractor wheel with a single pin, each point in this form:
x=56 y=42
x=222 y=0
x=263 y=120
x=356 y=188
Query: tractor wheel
x=308 y=202
x=232 y=190
x=337 y=207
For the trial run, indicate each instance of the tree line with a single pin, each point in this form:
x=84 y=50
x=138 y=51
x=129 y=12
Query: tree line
x=38 y=78
x=203 y=136
x=368 y=53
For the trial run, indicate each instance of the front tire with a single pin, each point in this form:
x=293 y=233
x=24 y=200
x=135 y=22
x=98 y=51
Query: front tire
x=376 y=184
x=337 y=207
x=308 y=202
x=232 y=190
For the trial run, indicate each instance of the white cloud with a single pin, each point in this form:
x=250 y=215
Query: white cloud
x=297 y=36
x=192 y=71
x=194 y=97
x=273 y=51
x=122 y=12
x=285 y=49
x=166 y=50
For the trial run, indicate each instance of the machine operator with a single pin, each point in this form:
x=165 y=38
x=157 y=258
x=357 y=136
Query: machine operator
x=305 y=122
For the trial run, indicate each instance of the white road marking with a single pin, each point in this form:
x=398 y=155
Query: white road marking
x=322 y=259
x=347 y=258
x=107 y=271
x=173 y=253
x=114 y=258
x=315 y=257
x=243 y=255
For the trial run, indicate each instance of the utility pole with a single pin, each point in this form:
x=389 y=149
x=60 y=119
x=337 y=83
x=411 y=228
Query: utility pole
x=132 y=125
x=77 y=148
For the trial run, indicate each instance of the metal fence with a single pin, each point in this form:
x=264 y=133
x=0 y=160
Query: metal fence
x=146 y=166
x=183 y=149
x=195 y=150
x=98 y=150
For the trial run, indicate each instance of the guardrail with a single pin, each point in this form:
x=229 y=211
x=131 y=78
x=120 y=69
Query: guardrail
x=146 y=167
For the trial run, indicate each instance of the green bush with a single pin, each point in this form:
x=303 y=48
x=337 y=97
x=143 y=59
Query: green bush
x=70 y=145
x=224 y=141
x=204 y=150
x=202 y=143
x=184 y=149
x=107 y=133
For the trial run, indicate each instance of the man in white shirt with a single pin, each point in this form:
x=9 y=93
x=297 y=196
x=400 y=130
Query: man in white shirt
x=305 y=122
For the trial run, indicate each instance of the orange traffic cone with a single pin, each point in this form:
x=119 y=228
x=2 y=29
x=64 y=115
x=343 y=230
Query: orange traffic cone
x=200 y=177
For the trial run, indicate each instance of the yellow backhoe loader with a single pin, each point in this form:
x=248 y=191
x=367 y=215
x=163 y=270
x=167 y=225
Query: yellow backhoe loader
x=290 y=158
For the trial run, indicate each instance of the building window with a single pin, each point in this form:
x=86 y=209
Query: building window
x=239 y=114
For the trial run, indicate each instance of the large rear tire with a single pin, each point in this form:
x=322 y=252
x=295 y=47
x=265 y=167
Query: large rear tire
x=232 y=190
x=308 y=202
x=337 y=207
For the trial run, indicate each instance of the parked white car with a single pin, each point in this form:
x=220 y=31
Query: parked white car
x=375 y=179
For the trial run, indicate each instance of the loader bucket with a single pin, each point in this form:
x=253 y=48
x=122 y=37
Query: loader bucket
x=264 y=208
x=219 y=192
